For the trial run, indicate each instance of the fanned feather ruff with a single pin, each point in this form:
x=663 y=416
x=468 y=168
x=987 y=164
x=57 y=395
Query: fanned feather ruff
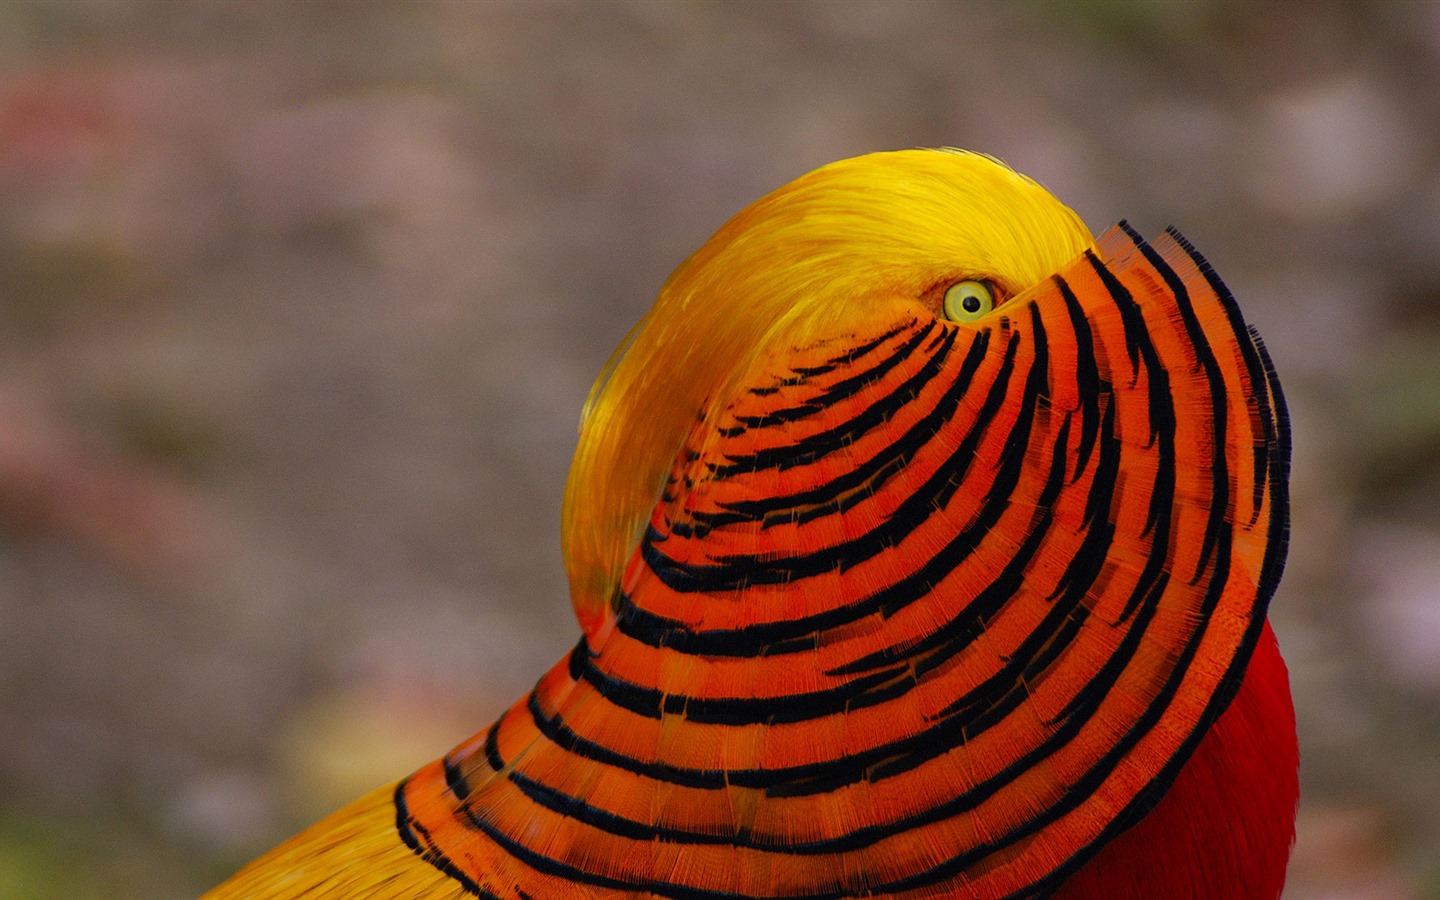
x=878 y=604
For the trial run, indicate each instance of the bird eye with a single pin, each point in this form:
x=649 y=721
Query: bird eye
x=968 y=301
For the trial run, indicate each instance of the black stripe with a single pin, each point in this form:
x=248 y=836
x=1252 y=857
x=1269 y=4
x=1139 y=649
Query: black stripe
x=455 y=779
x=549 y=866
x=1087 y=376
x=808 y=372
x=835 y=496
x=653 y=703
x=865 y=349
x=840 y=390
x=1279 y=469
x=1134 y=324
x=492 y=748
x=645 y=832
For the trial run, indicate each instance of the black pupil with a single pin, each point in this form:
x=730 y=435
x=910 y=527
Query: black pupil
x=970 y=304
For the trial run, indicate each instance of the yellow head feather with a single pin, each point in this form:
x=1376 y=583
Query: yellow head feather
x=846 y=242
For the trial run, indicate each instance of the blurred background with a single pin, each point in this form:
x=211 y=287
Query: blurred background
x=299 y=303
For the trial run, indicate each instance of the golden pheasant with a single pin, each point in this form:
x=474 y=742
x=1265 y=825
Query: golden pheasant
x=921 y=546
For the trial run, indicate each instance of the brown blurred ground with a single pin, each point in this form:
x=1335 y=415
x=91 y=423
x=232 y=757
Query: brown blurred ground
x=299 y=304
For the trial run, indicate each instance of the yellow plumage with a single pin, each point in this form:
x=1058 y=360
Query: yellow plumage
x=353 y=852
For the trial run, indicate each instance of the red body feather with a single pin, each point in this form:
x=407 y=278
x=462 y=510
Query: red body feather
x=1225 y=827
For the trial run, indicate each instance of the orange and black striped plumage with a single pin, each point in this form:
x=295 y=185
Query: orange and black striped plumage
x=913 y=608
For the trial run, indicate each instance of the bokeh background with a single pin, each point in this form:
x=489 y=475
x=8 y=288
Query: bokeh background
x=299 y=303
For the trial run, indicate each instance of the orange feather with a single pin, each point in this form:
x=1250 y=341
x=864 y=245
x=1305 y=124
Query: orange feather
x=882 y=595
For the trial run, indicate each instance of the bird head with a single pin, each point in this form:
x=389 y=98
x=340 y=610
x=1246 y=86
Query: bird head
x=843 y=249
